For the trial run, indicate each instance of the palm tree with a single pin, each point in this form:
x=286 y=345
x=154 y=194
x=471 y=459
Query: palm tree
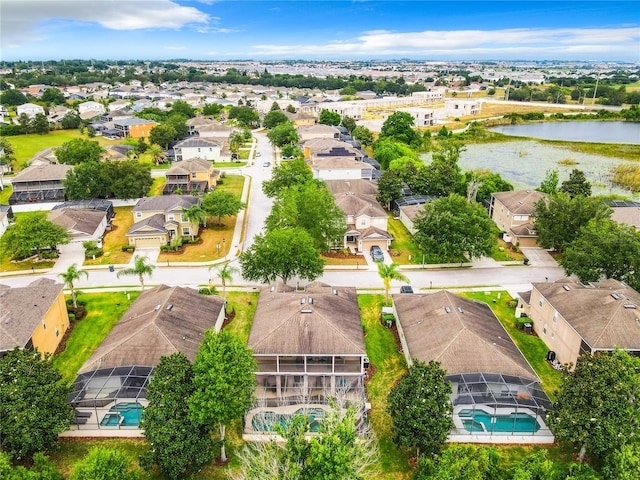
x=71 y=275
x=140 y=268
x=156 y=153
x=195 y=214
x=225 y=274
x=388 y=273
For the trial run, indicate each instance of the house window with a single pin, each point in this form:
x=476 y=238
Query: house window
x=193 y=175
x=555 y=317
x=57 y=332
x=138 y=214
x=171 y=217
x=186 y=231
x=544 y=329
x=553 y=335
x=44 y=324
x=210 y=149
x=183 y=218
x=198 y=149
x=363 y=222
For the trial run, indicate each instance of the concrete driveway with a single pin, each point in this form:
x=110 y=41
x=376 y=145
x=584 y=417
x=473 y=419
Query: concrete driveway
x=539 y=257
x=151 y=253
x=69 y=254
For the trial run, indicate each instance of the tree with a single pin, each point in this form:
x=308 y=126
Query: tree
x=389 y=187
x=274 y=118
x=32 y=234
x=78 y=151
x=179 y=444
x=33 y=403
x=328 y=117
x=53 y=95
x=399 y=127
x=245 y=116
x=179 y=124
x=224 y=382
x=39 y=124
x=623 y=464
x=285 y=175
x=420 y=408
x=313 y=208
x=225 y=274
x=140 y=269
x=442 y=175
x=42 y=469
x=196 y=215
x=235 y=142
x=487 y=183
x=550 y=183
x=71 y=275
x=597 y=407
x=162 y=135
x=537 y=466
x=577 y=184
x=282 y=254
x=460 y=462
x=604 y=248
x=559 y=219
x=221 y=203
x=349 y=123
x=364 y=135
x=12 y=98
x=283 y=134
x=181 y=107
x=127 y=179
x=71 y=120
x=213 y=109
x=452 y=228
x=104 y=464
x=386 y=150
x=157 y=153
x=388 y=273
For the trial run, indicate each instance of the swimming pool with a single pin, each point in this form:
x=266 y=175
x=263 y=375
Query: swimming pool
x=123 y=414
x=267 y=420
x=476 y=421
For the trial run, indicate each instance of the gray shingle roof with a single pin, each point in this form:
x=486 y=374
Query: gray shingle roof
x=359 y=204
x=520 y=202
x=165 y=203
x=188 y=166
x=42 y=173
x=196 y=142
x=80 y=220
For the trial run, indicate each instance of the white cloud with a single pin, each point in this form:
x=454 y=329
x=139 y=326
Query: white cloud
x=174 y=47
x=22 y=21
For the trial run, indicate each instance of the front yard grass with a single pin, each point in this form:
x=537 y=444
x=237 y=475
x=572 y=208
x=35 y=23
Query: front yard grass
x=531 y=346
x=503 y=253
x=346 y=259
x=115 y=239
x=390 y=366
x=403 y=250
x=103 y=312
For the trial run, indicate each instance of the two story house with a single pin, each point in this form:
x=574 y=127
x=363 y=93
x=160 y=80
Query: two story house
x=29 y=109
x=133 y=127
x=39 y=183
x=512 y=212
x=193 y=175
x=196 y=147
x=367 y=222
x=33 y=317
x=158 y=220
x=309 y=348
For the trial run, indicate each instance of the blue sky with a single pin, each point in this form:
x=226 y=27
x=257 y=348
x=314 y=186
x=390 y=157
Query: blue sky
x=316 y=30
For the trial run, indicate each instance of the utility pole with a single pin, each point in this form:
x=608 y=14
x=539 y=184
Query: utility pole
x=595 y=90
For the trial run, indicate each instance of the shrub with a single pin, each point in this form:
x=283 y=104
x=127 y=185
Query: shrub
x=49 y=254
x=72 y=317
x=128 y=248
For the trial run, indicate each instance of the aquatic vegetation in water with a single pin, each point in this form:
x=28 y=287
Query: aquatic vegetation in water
x=568 y=161
x=627 y=175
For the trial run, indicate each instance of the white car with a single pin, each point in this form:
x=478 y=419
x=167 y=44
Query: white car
x=258 y=154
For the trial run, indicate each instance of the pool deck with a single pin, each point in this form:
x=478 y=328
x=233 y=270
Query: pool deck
x=103 y=433
x=539 y=439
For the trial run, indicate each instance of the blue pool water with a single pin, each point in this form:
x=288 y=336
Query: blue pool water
x=266 y=421
x=123 y=414
x=480 y=421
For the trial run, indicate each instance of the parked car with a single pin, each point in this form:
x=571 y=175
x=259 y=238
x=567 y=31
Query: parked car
x=406 y=289
x=376 y=253
x=266 y=164
x=258 y=154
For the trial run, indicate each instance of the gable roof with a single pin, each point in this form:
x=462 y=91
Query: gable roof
x=359 y=204
x=152 y=225
x=191 y=165
x=359 y=186
x=77 y=219
x=629 y=215
x=467 y=338
x=195 y=142
x=165 y=203
x=42 y=173
x=23 y=308
x=595 y=314
x=130 y=121
x=520 y=202
x=328 y=324
x=149 y=329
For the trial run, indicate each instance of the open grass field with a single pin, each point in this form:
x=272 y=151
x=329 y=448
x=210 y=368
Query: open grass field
x=115 y=239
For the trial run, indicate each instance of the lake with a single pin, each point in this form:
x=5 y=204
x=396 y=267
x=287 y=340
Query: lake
x=592 y=132
x=524 y=164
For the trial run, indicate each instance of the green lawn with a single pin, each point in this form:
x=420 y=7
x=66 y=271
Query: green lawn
x=402 y=246
x=115 y=239
x=244 y=305
x=5 y=193
x=531 y=346
x=103 y=312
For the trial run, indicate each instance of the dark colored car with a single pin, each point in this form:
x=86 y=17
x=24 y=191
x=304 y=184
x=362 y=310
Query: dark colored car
x=376 y=254
x=406 y=289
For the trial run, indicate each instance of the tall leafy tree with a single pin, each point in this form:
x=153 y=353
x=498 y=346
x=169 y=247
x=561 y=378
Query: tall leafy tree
x=282 y=254
x=389 y=273
x=33 y=403
x=559 y=219
x=71 y=120
x=550 y=183
x=623 y=464
x=179 y=444
x=285 y=175
x=53 y=95
x=605 y=248
x=30 y=235
x=39 y=124
x=363 y=135
x=597 y=408
x=245 y=116
x=399 y=127
x=181 y=107
x=283 y=134
x=71 y=275
x=577 y=184
x=349 y=123
x=221 y=203
x=12 y=98
x=461 y=462
x=274 y=118
x=389 y=187
x=443 y=176
x=487 y=183
x=420 y=408
x=327 y=117
x=141 y=267
x=128 y=179
x=163 y=135
x=225 y=273
x=105 y=464
x=224 y=382
x=452 y=228
x=78 y=151
x=386 y=150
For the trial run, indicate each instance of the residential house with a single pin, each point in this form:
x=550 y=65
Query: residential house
x=309 y=348
x=573 y=318
x=329 y=147
x=408 y=208
x=6 y=217
x=367 y=222
x=46 y=156
x=91 y=109
x=626 y=212
x=83 y=225
x=39 y=183
x=309 y=132
x=133 y=127
x=193 y=175
x=359 y=186
x=512 y=212
x=110 y=390
x=491 y=380
x=33 y=317
x=158 y=220
x=29 y=109
x=57 y=113
x=197 y=147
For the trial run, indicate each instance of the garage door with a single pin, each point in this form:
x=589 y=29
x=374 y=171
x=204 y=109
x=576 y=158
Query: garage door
x=148 y=242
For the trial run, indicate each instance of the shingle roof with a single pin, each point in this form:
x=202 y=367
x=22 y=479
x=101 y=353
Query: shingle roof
x=470 y=340
x=629 y=215
x=132 y=121
x=520 y=202
x=165 y=203
x=149 y=329
x=152 y=225
x=358 y=204
x=355 y=186
x=42 y=173
x=189 y=166
x=329 y=324
x=593 y=311
x=196 y=142
x=23 y=308
x=77 y=219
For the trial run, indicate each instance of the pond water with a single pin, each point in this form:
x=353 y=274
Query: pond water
x=593 y=132
x=524 y=164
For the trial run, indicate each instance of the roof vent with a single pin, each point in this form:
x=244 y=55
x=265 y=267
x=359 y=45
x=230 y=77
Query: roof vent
x=306 y=310
x=310 y=300
x=566 y=287
x=447 y=309
x=630 y=306
x=157 y=307
x=335 y=291
x=460 y=310
x=303 y=301
x=170 y=306
x=272 y=289
x=615 y=296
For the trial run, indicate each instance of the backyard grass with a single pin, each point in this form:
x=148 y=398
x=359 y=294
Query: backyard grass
x=103 y=312
x=390 y=366
x=244 y=305
x=115 y=239
x=5 y=193
x=157 y=186
x=532 y=347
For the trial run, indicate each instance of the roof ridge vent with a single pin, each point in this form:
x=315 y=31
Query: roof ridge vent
x=447 y=309
x=460 y=310
x=306 y=310
x=629 y=306
x=566 y=287
x=615 y=296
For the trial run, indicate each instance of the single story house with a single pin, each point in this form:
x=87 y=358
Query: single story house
x=512 y=212
x=407 y=209
x=83 y=225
